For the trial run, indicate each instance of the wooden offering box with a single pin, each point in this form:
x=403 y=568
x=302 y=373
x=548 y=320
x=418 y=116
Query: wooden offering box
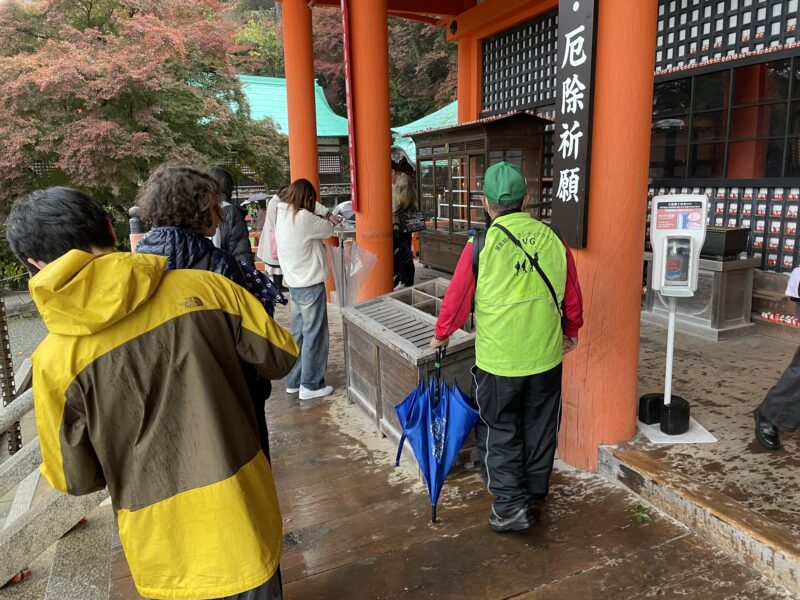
x=387 y=353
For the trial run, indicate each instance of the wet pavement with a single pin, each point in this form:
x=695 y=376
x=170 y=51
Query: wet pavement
x=357 y=527
x=25 y=332
x=724 y=381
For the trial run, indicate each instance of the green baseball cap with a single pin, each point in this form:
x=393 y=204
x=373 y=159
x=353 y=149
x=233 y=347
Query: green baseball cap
x=504 y=183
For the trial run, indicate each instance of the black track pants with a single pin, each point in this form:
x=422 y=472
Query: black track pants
x=516 y=435
x=781 y=406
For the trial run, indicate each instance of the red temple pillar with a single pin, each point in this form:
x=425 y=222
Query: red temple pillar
x=298 y=53
x=601 y=376
x=369 y=56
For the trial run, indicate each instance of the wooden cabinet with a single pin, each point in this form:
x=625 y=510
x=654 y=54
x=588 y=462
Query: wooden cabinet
x=450 y=167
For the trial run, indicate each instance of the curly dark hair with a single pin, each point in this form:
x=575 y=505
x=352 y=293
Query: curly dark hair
x=178 y=196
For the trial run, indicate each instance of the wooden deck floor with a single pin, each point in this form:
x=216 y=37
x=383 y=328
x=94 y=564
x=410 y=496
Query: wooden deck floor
x=356 y=527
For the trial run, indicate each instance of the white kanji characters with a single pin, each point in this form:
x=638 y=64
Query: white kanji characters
x=570 y=140
x=572 y=95
x=573 y=53
x=568 y=182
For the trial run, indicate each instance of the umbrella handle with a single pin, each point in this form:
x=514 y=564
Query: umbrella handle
x=441 y=352
x=400 y=450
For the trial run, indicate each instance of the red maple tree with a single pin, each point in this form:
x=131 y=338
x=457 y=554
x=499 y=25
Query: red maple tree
x=96 y=93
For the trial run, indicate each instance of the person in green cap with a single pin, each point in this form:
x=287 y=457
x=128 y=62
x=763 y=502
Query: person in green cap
x=528 y=310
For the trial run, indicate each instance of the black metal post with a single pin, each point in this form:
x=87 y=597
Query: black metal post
x=7 y=387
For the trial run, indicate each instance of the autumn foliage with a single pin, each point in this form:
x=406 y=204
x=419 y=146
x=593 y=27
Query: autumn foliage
x=422 y=64
x=96 y=93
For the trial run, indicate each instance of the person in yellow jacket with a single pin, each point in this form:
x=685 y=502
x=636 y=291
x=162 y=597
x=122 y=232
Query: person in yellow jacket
x=138 y=386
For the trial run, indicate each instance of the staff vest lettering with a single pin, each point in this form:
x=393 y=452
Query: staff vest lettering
x=518 y=294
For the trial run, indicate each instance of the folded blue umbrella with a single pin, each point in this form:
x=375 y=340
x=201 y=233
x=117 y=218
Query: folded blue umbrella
x=436 y=419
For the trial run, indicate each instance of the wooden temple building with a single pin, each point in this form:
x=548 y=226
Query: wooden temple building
x=507 y=63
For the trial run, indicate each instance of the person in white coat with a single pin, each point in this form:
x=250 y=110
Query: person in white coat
x=268 y=246
x=301 y=224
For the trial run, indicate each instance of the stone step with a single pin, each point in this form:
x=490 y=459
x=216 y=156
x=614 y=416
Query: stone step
x=81 y=568
x=23 y=499
x=44 y=524
x=750 y=537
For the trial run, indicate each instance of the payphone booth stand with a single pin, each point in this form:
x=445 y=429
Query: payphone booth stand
x=677 y=233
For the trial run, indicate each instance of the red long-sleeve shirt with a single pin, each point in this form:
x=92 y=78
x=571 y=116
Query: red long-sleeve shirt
x=457 y=300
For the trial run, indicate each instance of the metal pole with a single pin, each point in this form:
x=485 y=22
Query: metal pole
x=7 y=387
x=670 y=348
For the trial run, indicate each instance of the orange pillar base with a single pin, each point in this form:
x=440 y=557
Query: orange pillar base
x=601 y=376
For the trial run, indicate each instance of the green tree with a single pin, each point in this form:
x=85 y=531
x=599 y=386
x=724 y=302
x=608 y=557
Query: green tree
x=260 y=45
x=423 y=66
x=423 y=70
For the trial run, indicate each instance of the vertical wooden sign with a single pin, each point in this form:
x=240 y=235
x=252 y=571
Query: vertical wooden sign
x=573 y=129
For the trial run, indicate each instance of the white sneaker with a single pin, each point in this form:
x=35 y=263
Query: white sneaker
x=292 y=390
x=306 y=394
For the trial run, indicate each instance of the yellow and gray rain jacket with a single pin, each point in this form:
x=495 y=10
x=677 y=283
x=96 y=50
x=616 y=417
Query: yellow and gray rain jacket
x=139 y=386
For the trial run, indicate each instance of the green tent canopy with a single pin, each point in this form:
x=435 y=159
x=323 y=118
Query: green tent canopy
x=444 y=117
x=267 y=98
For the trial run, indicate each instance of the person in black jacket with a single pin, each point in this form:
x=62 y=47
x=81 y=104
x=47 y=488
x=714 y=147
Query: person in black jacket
x=232 y=236
x=183 y=205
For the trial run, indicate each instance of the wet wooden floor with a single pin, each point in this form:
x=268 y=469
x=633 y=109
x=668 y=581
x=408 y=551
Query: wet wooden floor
x=724 y=382
x=356 y=527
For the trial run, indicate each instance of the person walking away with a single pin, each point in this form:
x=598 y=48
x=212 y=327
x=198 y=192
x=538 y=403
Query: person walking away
x=268 y=247
x=232 y=235
x=183 y=206
x=301 y=224
x=138 y=386
x=519 y=343
x=403 y=201
x=780 y=408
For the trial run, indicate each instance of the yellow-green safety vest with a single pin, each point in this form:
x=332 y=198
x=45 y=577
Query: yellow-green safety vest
x=518 y=326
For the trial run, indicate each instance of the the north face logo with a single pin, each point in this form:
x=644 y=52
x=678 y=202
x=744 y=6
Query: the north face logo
x=191 y=302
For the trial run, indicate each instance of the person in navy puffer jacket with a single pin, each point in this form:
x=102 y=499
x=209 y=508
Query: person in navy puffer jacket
x=184 y=207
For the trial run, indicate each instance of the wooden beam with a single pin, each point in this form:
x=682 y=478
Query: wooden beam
x=409 y=8
x=493 y=16
x=600 y=377
x=412 y=17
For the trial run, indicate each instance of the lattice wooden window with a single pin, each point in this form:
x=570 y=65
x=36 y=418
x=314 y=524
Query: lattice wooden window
x=330 y=164
x=519 y=66
x=695 y=32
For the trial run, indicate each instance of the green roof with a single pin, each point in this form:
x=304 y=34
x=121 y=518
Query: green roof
x=267 y=98
x=444 y=117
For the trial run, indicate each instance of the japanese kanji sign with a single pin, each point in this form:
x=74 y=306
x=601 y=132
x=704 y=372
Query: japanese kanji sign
x=573 y=127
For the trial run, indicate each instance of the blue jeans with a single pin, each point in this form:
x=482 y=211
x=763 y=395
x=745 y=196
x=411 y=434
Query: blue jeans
x=310 y=330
